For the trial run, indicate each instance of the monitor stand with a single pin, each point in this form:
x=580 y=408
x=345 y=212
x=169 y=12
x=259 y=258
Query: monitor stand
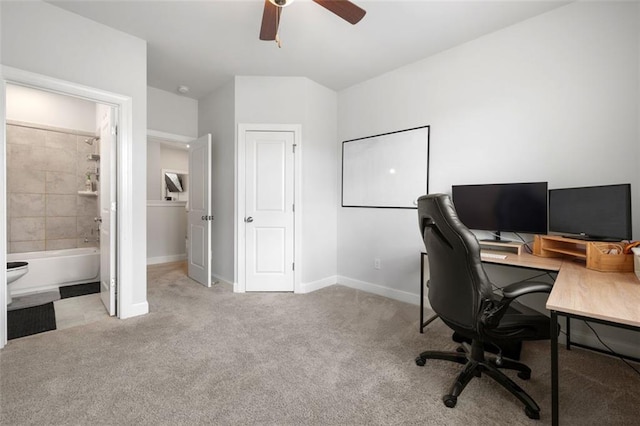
x=499 y=244
x=497 y=239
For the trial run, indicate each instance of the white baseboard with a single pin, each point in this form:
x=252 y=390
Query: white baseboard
x=166 y=259
x=220 y=279
x=134 y=310
x=317 y=285
x=391 y=293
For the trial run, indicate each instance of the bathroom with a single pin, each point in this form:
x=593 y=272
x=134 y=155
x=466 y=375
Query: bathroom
x=53 y=200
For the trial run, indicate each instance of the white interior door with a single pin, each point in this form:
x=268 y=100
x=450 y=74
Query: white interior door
x=199 y=215
x=269 y=207
x=107 y=192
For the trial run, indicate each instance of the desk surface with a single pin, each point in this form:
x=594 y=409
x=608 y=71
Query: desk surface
x=525 y=260
x=609 y=296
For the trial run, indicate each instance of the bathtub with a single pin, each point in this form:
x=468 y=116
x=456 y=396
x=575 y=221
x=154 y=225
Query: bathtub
x=49 y=270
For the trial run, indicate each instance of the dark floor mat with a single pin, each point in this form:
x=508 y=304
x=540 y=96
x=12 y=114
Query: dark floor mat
x=79 y=290
x=32 y=320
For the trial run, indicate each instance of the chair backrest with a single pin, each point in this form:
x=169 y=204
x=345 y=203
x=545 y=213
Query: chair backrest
x=458 y=283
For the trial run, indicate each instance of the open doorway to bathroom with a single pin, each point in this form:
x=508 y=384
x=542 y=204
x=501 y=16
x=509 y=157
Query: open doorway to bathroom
x=55 y=168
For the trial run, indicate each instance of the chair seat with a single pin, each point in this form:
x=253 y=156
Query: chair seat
x=508 y=348
x=521 y=323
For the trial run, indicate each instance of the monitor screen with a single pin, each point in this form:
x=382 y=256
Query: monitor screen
x=509 y=207
x=594 y=212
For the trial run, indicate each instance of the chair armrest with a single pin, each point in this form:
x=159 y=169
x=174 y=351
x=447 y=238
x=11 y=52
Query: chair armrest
x=516 y=290
x=494 y=311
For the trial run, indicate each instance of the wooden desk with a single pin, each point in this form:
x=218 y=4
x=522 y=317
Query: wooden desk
x=610 y=298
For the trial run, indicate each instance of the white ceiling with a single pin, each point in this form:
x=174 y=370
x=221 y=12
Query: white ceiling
x=202 y=44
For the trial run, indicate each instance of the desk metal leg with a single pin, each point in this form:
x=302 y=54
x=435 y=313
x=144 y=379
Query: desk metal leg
x=554 y=368
x=568 y=344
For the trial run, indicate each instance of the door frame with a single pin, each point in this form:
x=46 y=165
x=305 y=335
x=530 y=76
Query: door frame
x=239 y=286
x=124 y=164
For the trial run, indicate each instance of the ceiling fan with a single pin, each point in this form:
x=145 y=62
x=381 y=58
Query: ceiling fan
x=273 y=8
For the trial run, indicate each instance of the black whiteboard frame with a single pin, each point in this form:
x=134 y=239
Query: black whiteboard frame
x=428 y=127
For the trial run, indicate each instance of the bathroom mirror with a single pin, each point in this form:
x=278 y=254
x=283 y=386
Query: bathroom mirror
x=173 y=182
x=175 y=185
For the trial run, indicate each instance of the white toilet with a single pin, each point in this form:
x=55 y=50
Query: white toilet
x=15 y=270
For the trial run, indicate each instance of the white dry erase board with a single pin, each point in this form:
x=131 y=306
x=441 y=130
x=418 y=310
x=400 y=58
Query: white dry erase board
x=390 y=170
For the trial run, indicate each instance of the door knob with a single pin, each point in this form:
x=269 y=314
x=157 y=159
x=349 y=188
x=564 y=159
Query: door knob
x=97 y=219
x=248 y=219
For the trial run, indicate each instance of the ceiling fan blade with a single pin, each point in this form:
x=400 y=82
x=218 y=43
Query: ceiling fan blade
x=344 y=9
x=270 y=21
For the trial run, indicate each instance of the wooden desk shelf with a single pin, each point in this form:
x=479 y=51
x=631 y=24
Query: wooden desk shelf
x=593 y=253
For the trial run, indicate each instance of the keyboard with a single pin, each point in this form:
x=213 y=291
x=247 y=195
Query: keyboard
x=493 y=255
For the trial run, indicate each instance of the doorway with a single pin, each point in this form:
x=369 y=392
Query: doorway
x=59 y=192
x=166 y=206
x=123 y=108
x=268 y=208
x=179 y=226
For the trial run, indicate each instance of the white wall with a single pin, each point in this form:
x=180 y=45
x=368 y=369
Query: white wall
x=281 y=100
x=216 y=115
x=320 y=174
x=44 y=39
x=554 y=98
x=172 y=113
x=154 y=187
x=298 y=100
x=50 y=109
x=174 y=158
x=166 y=231
x=162 y=156
x=168 y=115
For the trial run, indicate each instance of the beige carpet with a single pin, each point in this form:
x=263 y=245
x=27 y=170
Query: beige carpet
x=336 y=356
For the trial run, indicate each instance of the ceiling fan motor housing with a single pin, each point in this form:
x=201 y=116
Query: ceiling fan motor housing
x=281 y=3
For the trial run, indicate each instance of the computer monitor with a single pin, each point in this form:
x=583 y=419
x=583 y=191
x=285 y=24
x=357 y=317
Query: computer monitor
x=508 y=207
x=601 y=213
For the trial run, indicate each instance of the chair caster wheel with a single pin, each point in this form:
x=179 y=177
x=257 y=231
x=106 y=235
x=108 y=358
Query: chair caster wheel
x=532 y=414
x=450 y=400
x=420 y=362
x=460 y=349
x=524 y=375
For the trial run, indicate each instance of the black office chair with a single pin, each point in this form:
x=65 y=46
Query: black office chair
x=461 y=293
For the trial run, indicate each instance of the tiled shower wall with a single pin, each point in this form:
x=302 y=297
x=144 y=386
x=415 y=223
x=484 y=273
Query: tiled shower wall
x=45 y=170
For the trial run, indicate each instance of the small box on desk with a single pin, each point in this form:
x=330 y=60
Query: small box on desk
x=608 y=257
x=636 y=260
x=511 y=246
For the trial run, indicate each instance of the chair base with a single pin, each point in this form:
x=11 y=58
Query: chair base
x=475 y=363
